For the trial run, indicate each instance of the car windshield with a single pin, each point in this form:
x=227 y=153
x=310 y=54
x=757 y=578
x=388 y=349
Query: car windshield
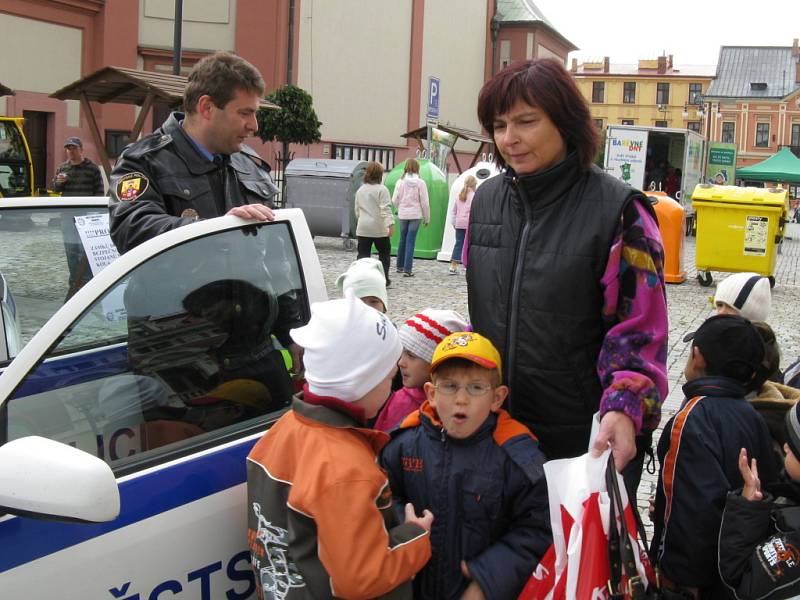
x=43 y=263
x=14 y=171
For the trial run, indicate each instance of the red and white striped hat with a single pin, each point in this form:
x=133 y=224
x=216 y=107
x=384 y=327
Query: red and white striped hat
x=421 y=333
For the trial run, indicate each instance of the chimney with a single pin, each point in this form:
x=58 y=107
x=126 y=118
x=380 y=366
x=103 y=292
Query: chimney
x=574 y=67
x=662 y=64
x=796 y=47
x=606 y=64
x=669 y=62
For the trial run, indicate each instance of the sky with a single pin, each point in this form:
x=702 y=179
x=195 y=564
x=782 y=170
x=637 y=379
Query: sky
x=691 y=30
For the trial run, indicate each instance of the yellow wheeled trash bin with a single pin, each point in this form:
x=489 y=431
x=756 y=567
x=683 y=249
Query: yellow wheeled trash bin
x=738 y=229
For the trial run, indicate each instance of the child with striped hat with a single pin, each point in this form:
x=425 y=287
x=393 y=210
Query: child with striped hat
x=419 y=335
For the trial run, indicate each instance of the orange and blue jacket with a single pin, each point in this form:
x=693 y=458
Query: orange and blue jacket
x=321 y=522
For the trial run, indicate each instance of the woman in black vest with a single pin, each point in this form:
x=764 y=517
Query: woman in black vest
x=565 y=272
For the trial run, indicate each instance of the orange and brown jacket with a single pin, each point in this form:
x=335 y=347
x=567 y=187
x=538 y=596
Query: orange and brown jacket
x=320 y=518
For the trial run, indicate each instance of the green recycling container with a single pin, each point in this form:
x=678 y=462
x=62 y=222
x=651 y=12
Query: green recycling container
x=429 y=239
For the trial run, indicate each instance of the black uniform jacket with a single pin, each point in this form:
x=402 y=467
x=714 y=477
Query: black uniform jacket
x=163 y=181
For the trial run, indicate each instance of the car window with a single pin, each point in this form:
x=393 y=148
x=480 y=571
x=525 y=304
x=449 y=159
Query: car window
x=43 y=263
x=190 y=345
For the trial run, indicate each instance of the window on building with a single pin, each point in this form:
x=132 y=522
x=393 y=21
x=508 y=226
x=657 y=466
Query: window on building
x=795 y=141
x=693 y=126
x=662 y=124
x=662 y=93
x=598 y=91
x=695 y=92
x=598 y=123
x=385 y=156
x=728 y=132
x=627 y=121
x=116 y=140
x=629 y=92
x=762 y=135
x=505 y=53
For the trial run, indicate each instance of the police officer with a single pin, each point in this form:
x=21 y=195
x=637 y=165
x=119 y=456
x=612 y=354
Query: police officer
x=194 y=166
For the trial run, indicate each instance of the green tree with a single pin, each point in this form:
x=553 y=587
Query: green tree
x=295 y=122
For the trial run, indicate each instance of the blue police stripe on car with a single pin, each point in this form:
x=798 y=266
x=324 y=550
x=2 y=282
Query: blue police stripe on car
x=25 y=539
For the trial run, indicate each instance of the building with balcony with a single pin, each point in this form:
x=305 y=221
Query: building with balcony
x=754 y=100
x=653 y=92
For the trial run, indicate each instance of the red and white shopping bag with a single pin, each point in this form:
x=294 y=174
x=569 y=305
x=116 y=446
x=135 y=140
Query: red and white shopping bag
x=577 y=564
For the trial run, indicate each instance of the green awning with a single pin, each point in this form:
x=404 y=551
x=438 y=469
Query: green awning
x=783 y=167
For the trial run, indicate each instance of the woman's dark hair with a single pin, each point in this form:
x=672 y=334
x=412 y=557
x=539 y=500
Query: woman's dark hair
x=374 y=172
x=546 y=84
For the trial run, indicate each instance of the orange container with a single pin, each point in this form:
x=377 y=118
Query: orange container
x=671 y=223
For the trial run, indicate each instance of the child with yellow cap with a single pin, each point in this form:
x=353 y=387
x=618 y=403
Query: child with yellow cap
x=478 y=470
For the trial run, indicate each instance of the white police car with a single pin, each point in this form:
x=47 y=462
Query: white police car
x=160 y=373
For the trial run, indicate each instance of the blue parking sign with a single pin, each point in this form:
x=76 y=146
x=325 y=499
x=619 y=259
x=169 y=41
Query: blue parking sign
x=433 y=97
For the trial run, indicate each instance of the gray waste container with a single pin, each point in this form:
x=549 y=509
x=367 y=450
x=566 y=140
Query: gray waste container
x=325 y=189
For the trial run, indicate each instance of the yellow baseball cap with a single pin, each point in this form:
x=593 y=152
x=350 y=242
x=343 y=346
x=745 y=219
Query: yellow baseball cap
x=469 y=346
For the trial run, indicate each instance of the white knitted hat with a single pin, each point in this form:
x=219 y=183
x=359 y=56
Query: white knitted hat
x=349 y=348
x=749 y=293
x=365 y=277
x=421 y=333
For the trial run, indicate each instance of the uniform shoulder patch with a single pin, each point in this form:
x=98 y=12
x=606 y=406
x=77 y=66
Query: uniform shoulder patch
x=131 y=185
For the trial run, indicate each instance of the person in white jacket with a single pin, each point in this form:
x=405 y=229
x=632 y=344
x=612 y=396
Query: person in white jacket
x=411 y=199
x=375 y=222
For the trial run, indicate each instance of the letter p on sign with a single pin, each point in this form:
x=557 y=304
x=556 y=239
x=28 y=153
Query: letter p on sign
x=433 y=98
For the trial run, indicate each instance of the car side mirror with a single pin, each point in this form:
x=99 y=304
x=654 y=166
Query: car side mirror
x=43 y=478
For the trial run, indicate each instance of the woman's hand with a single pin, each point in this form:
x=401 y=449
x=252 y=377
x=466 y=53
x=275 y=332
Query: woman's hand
x=617 y=431
x=390 y=231
x=752 y=484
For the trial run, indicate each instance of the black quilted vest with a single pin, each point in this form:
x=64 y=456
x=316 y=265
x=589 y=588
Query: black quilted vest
x=538 y=248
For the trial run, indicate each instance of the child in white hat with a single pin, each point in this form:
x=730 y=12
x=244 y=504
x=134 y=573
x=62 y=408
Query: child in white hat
x=419 y=334
x=366 y=278
x=745 y=294
x=315 y=472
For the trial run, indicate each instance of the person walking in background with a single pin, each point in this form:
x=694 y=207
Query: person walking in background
x=411 y=199
x=565 y=273
x=374 y=217
x=78 y=176
x=460 y=213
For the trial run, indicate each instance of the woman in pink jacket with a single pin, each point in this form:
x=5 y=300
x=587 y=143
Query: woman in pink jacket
x=460 y=214
x=411 y=199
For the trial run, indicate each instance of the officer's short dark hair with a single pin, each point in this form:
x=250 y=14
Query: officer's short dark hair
x=219 y=76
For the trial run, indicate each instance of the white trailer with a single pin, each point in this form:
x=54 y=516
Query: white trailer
x=636 y=155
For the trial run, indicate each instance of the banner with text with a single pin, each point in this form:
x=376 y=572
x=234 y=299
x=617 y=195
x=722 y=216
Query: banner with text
x=626 y=153
x=721 y=167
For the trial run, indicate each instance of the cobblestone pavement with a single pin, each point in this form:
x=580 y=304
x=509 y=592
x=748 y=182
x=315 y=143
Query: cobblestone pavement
x=688 y=303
